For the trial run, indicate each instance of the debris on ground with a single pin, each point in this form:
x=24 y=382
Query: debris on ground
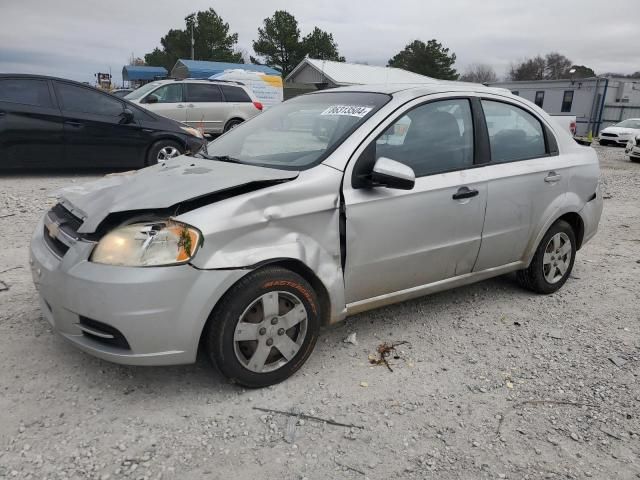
x=351 y=338
x=384 y=351
x=308 y=417
x=617 y=361
x=3 y=286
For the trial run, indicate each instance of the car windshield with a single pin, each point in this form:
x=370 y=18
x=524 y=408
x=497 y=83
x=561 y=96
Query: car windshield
x=299 y=133
x=630 y=123
x=142 y=91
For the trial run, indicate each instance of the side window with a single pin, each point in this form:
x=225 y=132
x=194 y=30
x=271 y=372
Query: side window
x=87 y=100
x=171 y=93
x=201 y=92
x=25 y=91
x=567 y=101
x=539 y=98
x=432 y=138
x=234 y=94
x=514 y=134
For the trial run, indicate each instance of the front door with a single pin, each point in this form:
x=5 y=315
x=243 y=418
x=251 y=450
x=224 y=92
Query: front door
x=168 y=101
x=397 y=239
x=96 y=133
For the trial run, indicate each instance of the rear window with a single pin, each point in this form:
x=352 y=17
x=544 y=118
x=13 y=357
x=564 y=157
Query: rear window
x=25 y=91
x=199 y=92
x=234 y=94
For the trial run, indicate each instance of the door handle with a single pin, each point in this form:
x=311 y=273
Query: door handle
x=191 y=105
x=2 y=113
x=180 y=105
x=465 y=192
x=552 y=177
x=73 y=123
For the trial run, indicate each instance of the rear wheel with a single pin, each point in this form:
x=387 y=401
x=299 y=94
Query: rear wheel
x=163 y=150
x=553 y=260
x=233 y=123
x=264 y=328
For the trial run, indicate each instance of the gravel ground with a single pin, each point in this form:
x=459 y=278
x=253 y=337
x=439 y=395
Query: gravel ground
x=495 y=382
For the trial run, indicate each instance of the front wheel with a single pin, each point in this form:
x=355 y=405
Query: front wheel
x=163 y=150
x=553 y=260
x=264 y=328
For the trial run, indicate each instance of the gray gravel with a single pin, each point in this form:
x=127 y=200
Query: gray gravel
x=495 y=383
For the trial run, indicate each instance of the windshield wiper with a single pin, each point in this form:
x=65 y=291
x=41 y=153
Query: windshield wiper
x=219 y=158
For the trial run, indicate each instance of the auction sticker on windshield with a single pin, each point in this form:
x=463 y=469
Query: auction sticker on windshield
x=350 y=110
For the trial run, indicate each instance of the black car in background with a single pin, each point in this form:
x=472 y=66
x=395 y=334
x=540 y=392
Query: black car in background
x=56 y=123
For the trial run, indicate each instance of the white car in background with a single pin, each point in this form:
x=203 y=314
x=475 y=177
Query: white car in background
x=211 y=106
x=620 y=133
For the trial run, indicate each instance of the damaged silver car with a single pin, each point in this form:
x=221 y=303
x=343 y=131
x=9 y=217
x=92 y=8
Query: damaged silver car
x=327 y=205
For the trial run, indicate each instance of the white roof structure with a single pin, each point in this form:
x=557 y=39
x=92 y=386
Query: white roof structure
x=311 y=70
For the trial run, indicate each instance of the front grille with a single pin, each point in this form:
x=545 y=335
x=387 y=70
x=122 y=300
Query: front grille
x=103 y=333
x=60 y=229
x=608 y=135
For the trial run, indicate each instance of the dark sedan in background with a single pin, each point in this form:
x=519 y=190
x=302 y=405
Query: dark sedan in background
x=56 y=123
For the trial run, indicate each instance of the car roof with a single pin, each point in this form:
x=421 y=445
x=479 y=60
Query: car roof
x=437 y=86
x=199 y=80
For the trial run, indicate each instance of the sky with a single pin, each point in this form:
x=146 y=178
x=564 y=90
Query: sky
x=77 y=38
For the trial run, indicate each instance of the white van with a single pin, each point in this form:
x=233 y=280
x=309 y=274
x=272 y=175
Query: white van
x=267 y=88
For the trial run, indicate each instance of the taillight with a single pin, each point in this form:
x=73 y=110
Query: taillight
x=258 y=105
x=572 y=127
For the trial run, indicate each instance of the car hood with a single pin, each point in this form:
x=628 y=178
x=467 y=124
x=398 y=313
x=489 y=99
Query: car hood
x=162 y=186
x=619 y=130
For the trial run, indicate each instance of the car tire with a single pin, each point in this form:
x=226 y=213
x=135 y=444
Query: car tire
x=246 y=339
x=634 y=159
x=553 y=261
x=233 y=123
x=163 y=150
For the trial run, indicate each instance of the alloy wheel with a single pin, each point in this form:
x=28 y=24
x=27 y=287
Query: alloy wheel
x=168 y=152
x=557 y=257
x=270 y=331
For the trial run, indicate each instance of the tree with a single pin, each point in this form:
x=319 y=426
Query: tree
x=320 y=44
x=479 y=73
x=279 y=42
x=529 y=69
x=557 y=66
x=212 y=41
x=582 y=72
x=430 y=59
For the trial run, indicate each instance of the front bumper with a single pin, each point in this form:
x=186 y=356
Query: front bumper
x=616 y=140
x=633 y=150
x=160 y=311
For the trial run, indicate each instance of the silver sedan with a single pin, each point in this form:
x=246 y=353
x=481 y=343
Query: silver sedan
x=327 y=205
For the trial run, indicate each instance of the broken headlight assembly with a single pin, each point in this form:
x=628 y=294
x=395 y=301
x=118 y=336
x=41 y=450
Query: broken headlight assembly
x=148 y=244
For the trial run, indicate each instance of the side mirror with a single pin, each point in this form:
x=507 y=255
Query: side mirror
x=391 y=174
x=150 y=99
x=127 y=116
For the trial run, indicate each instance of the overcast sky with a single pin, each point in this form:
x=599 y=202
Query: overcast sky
x=76 y=38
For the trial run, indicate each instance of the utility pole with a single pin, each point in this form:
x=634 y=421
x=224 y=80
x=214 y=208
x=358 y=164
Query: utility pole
x=192 y=43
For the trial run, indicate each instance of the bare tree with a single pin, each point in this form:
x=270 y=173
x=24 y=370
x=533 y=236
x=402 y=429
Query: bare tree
x=479 y=73
x=528 y=69
x=557 y=67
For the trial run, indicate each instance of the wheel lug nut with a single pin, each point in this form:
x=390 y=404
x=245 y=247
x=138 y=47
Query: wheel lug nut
x=262 y=331
x=269 y=341
x=274 y=321
x=281 y=331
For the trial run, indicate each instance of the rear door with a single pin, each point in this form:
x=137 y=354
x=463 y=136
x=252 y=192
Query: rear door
x=526 y=182
x=31 y=132
x=241 y=104
x=168 y=101
x=96 y=133
x=206 y=107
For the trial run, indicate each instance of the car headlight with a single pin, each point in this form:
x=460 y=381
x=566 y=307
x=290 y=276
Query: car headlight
x=148 y=244
x=193 y=131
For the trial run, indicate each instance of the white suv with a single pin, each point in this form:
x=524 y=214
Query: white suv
x=213 y=106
